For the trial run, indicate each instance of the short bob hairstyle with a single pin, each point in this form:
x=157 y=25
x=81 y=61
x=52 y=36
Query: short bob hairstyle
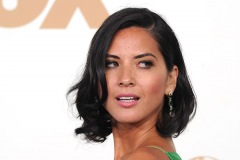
x=96 y=120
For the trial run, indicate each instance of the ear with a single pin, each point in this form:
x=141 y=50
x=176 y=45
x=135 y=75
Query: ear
x=172 y=80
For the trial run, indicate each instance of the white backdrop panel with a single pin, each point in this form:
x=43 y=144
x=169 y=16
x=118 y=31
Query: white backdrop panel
x=37 y=66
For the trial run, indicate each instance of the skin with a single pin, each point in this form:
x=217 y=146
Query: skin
x=135 y=68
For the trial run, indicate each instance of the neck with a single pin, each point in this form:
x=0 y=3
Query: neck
x=130 y=137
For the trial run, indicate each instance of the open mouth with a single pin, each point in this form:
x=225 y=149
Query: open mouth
x=127 y=99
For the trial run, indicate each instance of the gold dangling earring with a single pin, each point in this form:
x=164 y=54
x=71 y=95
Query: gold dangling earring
x=170 y=103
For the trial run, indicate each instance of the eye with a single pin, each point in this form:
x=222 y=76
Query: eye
x=111 y=64
x=145 y=64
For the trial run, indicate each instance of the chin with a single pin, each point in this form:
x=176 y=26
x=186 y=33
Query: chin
x=126 y=119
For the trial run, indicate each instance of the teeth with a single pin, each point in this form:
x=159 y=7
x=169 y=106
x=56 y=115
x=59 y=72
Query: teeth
x=126 y=98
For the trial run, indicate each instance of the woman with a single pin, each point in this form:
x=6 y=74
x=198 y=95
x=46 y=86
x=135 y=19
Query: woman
x=135 y=85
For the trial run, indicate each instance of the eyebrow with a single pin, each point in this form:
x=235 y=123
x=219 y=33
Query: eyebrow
x=145 y=55
x=112 y=56
x=135 y=57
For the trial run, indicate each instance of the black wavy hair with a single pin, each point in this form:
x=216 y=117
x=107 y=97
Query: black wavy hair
x=96 y=120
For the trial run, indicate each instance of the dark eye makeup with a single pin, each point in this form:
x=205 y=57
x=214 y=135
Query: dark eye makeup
x=111 y=64
x=145 y=64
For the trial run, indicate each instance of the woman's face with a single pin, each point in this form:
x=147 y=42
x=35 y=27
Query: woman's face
x=137 y=77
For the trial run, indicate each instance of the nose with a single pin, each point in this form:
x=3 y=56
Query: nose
x=126 y=78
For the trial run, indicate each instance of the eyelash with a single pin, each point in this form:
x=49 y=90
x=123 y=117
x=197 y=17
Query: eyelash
x=113 y=64
x=148 y=64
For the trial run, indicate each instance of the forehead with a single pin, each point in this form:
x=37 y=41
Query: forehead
x=133 y=39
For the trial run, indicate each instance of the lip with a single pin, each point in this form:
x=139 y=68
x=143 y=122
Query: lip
x=127 y=100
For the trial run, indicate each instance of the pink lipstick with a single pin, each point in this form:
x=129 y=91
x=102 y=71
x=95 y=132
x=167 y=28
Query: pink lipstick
x=127 y=100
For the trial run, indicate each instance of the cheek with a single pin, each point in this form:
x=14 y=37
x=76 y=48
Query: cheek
x=155 y=87
x=110 y=82
x=155 y=93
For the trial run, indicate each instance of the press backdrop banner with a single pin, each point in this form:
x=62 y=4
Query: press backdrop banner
x=43 y=48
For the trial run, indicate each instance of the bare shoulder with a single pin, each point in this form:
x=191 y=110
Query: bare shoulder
x=146 y=154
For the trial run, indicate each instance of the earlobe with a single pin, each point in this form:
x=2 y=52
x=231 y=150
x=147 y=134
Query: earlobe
x=172 y=80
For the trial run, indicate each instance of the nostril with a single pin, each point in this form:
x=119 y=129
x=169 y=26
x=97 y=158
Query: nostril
x=126 y=84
